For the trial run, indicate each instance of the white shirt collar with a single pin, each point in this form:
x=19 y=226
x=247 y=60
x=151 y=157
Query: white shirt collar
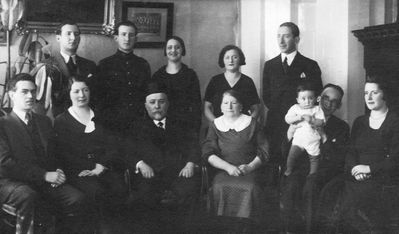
x=90 y=126
x=162 y=121
x=290 y=57
x=66 y=57
x=240 y=124
x=21 y=115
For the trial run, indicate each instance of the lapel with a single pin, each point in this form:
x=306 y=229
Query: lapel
x=17 y=127
x=61 y=64
x=40 y=129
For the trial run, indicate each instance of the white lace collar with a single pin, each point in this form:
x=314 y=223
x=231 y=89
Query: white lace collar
x=90 y=127
x=240 y=124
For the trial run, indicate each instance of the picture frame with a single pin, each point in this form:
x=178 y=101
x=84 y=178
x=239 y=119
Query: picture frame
x=154 y=21
x=91 y=15
x=3 y=37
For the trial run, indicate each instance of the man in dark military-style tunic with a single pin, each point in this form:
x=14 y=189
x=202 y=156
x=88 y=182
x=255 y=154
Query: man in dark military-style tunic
x=118 y=93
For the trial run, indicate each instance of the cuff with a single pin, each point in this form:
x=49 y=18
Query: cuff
x=137 y=166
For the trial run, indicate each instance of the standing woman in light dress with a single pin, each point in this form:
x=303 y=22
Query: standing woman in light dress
x=231 y=58
x=182 y=85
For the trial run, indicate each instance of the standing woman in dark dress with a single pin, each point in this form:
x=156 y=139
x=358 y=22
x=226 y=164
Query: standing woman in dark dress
x=231 y=58
x=87 y=152
x=182 y=85
x=372 y=161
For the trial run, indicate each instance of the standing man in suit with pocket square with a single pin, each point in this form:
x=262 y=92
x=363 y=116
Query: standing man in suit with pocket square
x=281 y=76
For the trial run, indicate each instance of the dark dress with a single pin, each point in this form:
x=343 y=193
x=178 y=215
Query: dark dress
x=80 y=151
x=183 y=94
x=241 y=196
x=218 y=85
x=379 y=149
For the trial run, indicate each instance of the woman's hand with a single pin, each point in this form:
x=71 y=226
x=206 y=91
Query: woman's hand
x=95 y=172
x=187 y=171
x=360 y=169
x=245 y=169
x=291 y=130
x=361 y=177
x=234 y=171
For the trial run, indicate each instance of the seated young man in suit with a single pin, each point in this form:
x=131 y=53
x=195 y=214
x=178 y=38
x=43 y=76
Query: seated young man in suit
x=28 y=169
x=164 y=156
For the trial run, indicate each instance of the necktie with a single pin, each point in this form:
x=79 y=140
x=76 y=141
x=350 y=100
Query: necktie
x=28 y=119
x=160 y=125
x=71 y=66
x=285 y=65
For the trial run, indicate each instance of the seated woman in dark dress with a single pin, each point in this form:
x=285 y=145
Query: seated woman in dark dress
x=86 y=151
x=182 y=85
x=236 y=148
x=231 y=58
x=372 y=161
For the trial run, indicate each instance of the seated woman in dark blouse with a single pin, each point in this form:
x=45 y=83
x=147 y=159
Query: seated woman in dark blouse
x=87 y=152
x=372 y=161
x=231 y=58
x=182 y=85
x=236 y=148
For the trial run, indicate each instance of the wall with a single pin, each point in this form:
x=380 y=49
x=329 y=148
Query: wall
x=202 y=24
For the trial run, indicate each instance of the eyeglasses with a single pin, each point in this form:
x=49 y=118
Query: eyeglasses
x=333 y=102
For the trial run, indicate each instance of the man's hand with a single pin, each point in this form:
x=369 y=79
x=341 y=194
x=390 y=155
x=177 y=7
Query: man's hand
x=146 y=171
x=95 y=172
x=56 y=178
x=187 y=171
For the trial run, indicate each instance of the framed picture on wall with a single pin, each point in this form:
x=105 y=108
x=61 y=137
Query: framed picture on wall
x=90 y=15
x=3 y=37
x=154 y=21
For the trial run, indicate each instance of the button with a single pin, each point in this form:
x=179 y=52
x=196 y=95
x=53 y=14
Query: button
x=130 y=104
x=128 y=73
x=127 y=63
x=129 y=83
x=90 y=156
x=130 y=94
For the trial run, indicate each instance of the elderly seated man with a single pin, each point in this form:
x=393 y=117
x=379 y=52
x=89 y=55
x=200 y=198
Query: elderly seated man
x=164 y=156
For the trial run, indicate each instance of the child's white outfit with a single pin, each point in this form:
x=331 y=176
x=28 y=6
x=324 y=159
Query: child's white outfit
x=305 y=136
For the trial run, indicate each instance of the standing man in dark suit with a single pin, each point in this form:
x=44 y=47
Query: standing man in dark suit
x=281 y=76
x=28 y=169
x=63 y=65
x=119 y=90
x=164 y=156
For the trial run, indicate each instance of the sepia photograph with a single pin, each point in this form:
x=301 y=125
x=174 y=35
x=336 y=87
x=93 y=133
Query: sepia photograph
x=199 y=117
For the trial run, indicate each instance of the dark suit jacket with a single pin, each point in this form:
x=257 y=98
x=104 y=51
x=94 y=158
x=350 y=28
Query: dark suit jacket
x=58 y=70
x=18 y=160
x=159 y=148
x=279 y=91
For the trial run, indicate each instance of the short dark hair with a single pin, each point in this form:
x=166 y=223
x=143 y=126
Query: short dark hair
x=307 y=86
x=63 y=23
x=12 y=84
x=294 y=28
x=177 y=39
x=127 y=23
x=227 y=48
x=383 y=84
x=79 y=78
x=236 y=94
x=336 y=87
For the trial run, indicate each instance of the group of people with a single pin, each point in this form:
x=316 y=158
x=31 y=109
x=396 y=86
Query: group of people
x=115 y=116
